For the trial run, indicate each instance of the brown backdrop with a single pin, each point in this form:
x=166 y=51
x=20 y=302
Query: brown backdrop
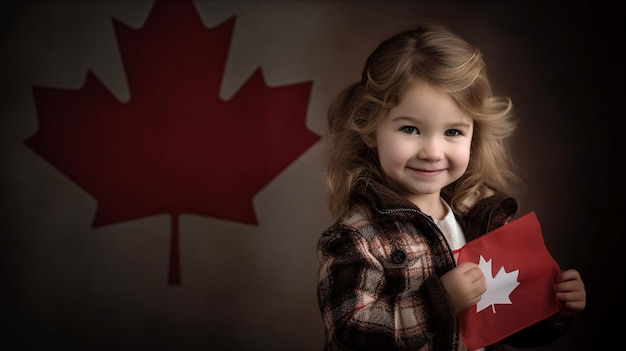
x=248 y=283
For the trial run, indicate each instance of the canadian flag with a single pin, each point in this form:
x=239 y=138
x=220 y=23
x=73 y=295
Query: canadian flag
x=520 y=274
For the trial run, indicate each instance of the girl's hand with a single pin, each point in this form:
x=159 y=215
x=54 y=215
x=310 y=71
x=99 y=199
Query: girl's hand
x=570 y=290
x=464 y=284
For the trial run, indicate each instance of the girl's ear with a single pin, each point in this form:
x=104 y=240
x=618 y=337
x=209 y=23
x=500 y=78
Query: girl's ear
x=370 y=141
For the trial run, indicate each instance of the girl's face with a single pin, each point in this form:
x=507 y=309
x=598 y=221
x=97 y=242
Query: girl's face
x=424 y=144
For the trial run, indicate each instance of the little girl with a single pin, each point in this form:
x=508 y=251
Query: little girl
x=418 y=165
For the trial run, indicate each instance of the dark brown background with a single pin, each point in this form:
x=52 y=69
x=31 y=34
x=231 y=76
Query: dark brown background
x=67 y=284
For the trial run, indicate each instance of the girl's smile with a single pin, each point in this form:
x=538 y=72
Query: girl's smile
x=427 y=172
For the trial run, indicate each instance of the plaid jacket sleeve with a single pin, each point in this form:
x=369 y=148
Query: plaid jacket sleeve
x=371 y=301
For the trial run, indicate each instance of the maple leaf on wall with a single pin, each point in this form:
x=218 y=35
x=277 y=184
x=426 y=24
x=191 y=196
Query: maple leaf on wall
x=499 y=287
x=175 y=147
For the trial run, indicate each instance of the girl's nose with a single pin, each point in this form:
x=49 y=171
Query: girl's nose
x=430 y=149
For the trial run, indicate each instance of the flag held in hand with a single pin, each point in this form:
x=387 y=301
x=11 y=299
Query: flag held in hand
x=520 y=275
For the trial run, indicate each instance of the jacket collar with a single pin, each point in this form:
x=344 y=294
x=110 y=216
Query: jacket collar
x=379 y=197
x=486 y=212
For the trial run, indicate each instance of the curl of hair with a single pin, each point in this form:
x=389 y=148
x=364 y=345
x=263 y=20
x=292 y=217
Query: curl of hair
x=433 y=55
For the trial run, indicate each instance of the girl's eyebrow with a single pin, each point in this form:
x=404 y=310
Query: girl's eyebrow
x=405 y=119
x=410 y=119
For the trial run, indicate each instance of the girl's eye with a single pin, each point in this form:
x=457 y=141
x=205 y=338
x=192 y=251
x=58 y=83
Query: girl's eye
x=452 y=132
x=409 y=130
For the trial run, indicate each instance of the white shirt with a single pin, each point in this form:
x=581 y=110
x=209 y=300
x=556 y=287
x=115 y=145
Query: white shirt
x=451 y=228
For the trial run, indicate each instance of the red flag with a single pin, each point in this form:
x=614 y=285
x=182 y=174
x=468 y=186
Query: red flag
x=520 y=275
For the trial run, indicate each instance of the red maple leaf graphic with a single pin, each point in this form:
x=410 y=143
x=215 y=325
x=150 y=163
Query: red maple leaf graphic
x=175 y=147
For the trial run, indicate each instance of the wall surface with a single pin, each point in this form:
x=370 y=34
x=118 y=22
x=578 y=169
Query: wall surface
x=138 y=216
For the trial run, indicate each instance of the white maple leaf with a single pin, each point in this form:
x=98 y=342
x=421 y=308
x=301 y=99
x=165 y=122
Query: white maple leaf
x=498 y=288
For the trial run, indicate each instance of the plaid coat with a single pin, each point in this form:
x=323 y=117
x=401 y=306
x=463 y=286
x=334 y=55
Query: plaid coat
x=379 y=286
